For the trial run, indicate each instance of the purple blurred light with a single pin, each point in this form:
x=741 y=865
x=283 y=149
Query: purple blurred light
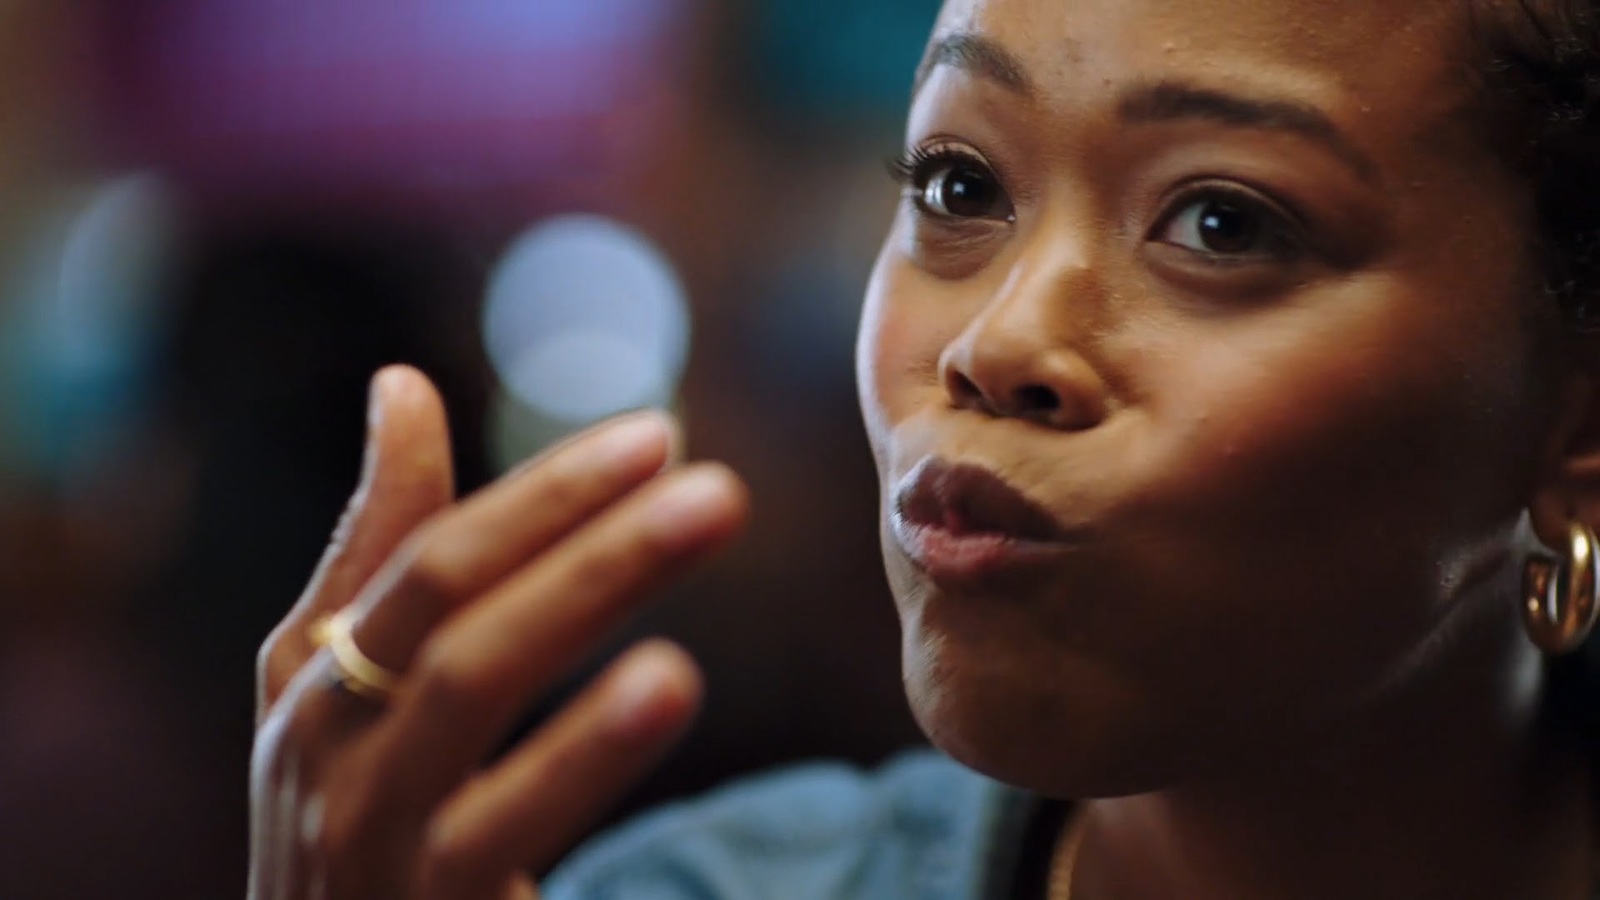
x=425 y=91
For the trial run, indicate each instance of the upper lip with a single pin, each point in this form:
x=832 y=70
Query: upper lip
x=969 y=499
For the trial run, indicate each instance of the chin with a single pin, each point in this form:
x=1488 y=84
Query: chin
x=1045 y=722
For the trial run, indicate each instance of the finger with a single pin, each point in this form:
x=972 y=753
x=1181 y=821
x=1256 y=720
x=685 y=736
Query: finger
x=407 y=476
x=467 y=550
x=455 y=705
x=496 y=530
x=481 y=669
x=541 y=799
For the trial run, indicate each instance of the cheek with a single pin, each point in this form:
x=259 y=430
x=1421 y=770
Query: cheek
x=897 y=351
x=1319 y=481
x=1361 y=401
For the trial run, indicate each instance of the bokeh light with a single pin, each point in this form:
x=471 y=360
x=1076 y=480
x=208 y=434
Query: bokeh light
x=80 y=337
x=586 y=318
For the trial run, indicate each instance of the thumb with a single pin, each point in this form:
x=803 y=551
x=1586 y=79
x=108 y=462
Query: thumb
x=406 y=477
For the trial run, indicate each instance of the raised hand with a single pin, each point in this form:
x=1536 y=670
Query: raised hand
x=478 y=608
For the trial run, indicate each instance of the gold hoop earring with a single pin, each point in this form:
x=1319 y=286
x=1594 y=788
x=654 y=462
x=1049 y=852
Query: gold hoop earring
x=1561 y=597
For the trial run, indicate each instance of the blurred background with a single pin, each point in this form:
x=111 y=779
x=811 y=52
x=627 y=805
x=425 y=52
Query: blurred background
x=218 y=217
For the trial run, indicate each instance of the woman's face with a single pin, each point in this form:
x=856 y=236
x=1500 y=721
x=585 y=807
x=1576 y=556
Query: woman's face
x=1201 y=373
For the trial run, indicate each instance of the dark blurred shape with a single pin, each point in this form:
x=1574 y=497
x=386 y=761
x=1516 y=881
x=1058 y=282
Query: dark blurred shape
x=275 y=335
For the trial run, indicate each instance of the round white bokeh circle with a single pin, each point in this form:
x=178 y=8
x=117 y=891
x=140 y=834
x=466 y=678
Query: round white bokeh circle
x=584 y=318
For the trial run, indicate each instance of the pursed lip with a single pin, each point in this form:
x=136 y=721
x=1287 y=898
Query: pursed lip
x=963 y=523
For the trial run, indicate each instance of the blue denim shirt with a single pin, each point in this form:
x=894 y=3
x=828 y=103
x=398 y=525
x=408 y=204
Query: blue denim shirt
x=920 y=828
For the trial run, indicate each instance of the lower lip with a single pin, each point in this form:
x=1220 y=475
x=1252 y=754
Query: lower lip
x=950 y=557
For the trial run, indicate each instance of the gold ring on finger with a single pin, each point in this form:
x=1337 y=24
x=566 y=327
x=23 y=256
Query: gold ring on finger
x=354 y=671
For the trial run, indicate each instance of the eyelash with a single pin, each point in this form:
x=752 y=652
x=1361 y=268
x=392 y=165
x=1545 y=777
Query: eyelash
x=908 y=168
x=915 y=166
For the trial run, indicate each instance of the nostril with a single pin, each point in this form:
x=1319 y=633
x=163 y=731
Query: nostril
x=965 y=393
x=1036 y=399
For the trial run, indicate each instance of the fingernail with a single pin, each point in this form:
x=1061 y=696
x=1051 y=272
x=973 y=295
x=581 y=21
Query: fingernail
x=691 y=505
x=637 y=439
x=637 y=712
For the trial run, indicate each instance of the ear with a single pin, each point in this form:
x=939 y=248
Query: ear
x=1568 y=487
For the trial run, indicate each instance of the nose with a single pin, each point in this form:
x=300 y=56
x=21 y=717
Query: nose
x=1022 y=358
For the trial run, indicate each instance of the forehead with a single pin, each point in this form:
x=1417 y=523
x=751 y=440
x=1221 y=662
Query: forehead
x=1399 y=64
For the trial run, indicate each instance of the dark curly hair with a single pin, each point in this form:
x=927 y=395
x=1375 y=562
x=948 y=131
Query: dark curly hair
x=1543 y=82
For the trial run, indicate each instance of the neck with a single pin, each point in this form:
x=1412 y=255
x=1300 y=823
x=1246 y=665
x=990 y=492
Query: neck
x=1456 y=790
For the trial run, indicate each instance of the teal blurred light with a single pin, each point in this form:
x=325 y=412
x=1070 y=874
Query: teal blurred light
x=78 y=330
x=838 y=58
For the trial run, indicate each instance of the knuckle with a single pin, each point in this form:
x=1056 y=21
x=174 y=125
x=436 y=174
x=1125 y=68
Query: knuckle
x=654 y=546
x=618 y=566
x=276 y=660
x=642 y=551
x=604 y=571
x=575 y=762
x=568 y=486
x=434 y=573
x=452 y=857
x=447 y=686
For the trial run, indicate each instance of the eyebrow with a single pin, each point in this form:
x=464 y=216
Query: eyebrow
x=1176 y=101
x=978 y=55
x=1165 y=101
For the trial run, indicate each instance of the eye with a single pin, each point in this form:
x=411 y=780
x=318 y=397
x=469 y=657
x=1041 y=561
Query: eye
x=950 y=183
x=963 y=190
x=1224 y=226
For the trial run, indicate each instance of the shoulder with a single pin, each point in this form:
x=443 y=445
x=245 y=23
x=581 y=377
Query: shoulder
x=919 y=827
